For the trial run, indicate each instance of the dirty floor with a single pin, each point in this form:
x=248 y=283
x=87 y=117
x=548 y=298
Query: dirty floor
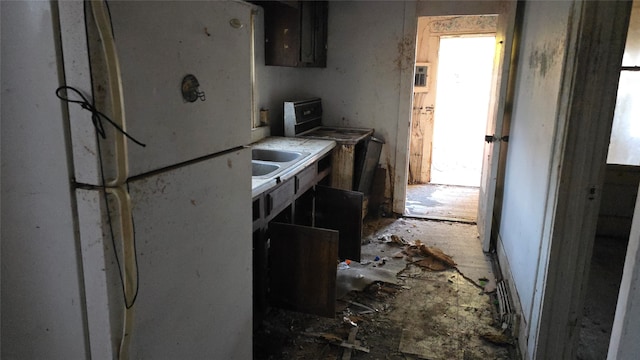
x=423 y=290
x=599 y=312
x=442 y=202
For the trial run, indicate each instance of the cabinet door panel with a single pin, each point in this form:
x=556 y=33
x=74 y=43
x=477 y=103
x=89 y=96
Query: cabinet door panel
x=341 y=210
x=278 y=199
x=282 y=33
x=306 y=178
x=303 y=268
x=313 y=33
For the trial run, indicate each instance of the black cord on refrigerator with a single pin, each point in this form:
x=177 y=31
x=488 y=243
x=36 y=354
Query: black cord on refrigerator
x=96 y=118
x=135 y=259
x=96 y=115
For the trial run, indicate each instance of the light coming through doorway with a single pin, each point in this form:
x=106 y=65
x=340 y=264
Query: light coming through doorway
x=465 y=65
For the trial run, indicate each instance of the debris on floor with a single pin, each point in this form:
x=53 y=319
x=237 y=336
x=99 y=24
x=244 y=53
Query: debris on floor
x=415 y=306
x=497 y=338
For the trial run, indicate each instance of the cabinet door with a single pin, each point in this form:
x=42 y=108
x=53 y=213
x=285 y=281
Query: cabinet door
x=295 y=33
x=276 y=200
x=341 y=210
x=303 y=268
x=282 y=33
x=313 y=33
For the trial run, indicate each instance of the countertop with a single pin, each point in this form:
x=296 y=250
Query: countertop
x=314 y=147
x=342 y=135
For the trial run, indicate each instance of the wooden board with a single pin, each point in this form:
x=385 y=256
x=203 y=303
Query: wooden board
x=421 y=141
x=282 y=34
x=303 y=268
x=341 y=210
x=342 y=169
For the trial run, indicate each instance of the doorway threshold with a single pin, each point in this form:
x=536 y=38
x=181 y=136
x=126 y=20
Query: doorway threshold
x=442 y=203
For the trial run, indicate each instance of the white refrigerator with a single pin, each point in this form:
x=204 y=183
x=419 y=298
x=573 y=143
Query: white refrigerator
x=165 y=229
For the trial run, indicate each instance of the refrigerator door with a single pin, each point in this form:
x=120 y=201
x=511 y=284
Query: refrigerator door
x=194 y=251
x=158 y=44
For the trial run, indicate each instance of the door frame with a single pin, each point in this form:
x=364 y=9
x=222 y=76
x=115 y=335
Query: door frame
x=587 y=102
x=504 y=37
x=495 y=120
x=423 y=113
x=400 y=176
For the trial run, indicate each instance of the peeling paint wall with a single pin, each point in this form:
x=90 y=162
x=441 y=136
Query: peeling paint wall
x=361 y=85
x=467 y=7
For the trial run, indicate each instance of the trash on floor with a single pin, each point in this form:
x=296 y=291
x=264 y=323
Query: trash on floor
x=500 y=339
x=404 y=309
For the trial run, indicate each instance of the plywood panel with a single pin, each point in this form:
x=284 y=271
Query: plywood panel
x=342 y=169
x=421 y=140
x=303 y=268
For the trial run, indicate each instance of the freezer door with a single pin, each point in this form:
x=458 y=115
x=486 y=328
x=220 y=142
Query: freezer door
x=158 y=43
x=194 y=255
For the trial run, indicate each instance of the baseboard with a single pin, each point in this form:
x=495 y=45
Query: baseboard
x=520 y=326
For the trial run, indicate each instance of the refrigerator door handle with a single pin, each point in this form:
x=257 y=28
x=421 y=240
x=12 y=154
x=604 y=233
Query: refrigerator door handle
x=129 y=271
x=103 y=23
x=129 y=268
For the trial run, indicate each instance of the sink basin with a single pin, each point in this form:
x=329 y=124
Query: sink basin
x=269 y=163
x=274 y=155
x=260 y=169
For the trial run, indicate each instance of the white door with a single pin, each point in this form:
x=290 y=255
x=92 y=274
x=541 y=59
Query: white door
x=504 y=44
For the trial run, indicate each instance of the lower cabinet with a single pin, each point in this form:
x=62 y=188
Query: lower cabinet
x=296 y=250
x=341 y=210
x=303 y=259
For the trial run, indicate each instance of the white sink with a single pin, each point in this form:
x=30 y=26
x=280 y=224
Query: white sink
x=262 y=169
x=274 y=155
x=269 y=163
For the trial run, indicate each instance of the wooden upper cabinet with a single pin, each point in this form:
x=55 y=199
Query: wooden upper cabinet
x=295 y=33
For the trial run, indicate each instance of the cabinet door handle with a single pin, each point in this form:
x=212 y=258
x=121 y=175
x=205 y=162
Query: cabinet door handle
x=269 y=204
x=297 y=185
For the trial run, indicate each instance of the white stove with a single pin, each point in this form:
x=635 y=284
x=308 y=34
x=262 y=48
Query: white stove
x=304 y=119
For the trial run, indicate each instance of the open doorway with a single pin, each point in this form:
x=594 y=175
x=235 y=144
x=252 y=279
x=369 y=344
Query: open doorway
x=617 y=207
x=462 y=103
x=454 y=72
